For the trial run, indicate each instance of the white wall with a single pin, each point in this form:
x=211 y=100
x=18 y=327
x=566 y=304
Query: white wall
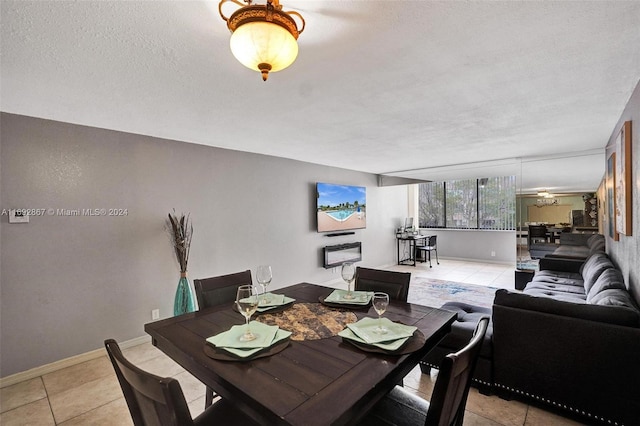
x=475 y=244
x=70 y=282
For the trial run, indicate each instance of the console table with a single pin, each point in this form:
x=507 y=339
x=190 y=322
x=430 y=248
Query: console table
x=408 y=242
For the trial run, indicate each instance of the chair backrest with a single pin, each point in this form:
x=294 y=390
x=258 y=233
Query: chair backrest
x=432 y=241
x=395 y=284
x=152 y=400
x=536 y=231
x=450 y=392
x=219 y=290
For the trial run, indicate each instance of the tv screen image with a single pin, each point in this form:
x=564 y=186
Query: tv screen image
x=341 y=207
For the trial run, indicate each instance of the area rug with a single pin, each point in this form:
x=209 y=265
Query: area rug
x=435 y=293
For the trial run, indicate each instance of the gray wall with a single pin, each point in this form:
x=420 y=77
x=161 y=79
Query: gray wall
x=626 y=252
x=69 y=282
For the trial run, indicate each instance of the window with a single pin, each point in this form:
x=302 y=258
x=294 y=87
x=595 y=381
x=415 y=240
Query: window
x=487 y=203
x=431 y=205
x=497 y=203
x=461 y=201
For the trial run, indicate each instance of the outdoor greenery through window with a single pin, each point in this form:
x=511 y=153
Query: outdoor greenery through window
x=487 y=203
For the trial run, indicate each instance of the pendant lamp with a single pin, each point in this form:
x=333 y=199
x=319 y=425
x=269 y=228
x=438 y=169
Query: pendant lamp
x=263 y=37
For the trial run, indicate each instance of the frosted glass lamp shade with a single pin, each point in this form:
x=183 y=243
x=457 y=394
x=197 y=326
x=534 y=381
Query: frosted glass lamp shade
x=264 y=46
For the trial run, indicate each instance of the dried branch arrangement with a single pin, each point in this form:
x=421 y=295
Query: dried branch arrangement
x=181 y=230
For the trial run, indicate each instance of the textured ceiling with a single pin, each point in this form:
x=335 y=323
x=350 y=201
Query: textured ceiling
x=396 y=87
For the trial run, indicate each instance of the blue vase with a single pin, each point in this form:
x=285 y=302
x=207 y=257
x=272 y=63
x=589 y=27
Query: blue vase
x=183 y=302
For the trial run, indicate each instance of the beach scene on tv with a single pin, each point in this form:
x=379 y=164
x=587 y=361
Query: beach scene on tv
x=341 y=207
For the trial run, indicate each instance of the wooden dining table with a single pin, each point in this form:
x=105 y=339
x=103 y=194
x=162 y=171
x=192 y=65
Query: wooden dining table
x=325 y=381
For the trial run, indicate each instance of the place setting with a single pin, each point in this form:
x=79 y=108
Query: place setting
x=347 y=298
x=381 y=335
x=268 y=302
x=249 y=341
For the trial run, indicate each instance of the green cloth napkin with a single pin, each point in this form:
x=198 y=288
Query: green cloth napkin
x=283 y=300
x=387 y=346
x=274 y=300
x=365 y=329
x=245 y=353
x=231 y=338
x=359 y=297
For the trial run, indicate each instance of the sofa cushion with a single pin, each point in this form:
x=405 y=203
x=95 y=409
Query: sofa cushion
x=555 y=295
x=595 y=239
x=597 y=245
x=608 y=279
x=593 y=267
x=557 y=287
x=560 y=275
x=614 y=297
x=606 y=314
x=574 y=239
x=572 y=251
x=557 y=280
x=609 y=289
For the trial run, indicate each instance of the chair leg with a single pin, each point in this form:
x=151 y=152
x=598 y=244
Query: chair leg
x=430 y=259
x=208 y=397
x=437 y=260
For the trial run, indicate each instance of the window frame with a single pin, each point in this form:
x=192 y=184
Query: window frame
x=508 y=220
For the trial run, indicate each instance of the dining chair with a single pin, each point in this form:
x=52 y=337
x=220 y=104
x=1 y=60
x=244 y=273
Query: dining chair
x=448 y=400
x=431 y=245
x=218 y=290
x=154 y=400
x=395 y=284
x=537 y=233
x=215 y=291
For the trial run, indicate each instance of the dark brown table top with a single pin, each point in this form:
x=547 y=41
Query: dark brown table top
x=311 y=382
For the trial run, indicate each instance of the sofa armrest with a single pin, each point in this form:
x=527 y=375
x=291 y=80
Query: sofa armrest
x=585 y=365
x=562 y=264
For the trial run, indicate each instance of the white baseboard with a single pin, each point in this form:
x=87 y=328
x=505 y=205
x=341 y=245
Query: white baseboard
x=494 y=262
x=67 y=362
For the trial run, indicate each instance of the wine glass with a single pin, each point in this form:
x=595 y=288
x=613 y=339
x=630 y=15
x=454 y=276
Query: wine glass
x=247 y=301
x=348 y=274
x=380 y=303
x=263 y=276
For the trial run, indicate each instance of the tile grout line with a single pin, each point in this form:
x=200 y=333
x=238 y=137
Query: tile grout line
x=46 y=392
x=86 y=412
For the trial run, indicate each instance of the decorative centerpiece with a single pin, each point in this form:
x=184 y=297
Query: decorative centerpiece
x=181 y=230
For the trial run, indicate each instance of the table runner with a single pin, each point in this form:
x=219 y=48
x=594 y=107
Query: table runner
x=310 y=321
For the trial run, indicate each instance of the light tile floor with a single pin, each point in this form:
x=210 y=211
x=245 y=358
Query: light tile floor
x=89 y=394
x=498 y=275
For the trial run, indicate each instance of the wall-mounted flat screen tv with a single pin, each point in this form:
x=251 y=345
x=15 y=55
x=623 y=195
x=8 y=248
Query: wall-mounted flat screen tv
x=341 y=207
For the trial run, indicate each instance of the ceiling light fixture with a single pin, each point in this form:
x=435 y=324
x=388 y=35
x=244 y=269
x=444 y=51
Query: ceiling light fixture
x=264 y=38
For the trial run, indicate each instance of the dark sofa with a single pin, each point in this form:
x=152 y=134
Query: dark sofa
x=578 y=246
x=571 y=339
